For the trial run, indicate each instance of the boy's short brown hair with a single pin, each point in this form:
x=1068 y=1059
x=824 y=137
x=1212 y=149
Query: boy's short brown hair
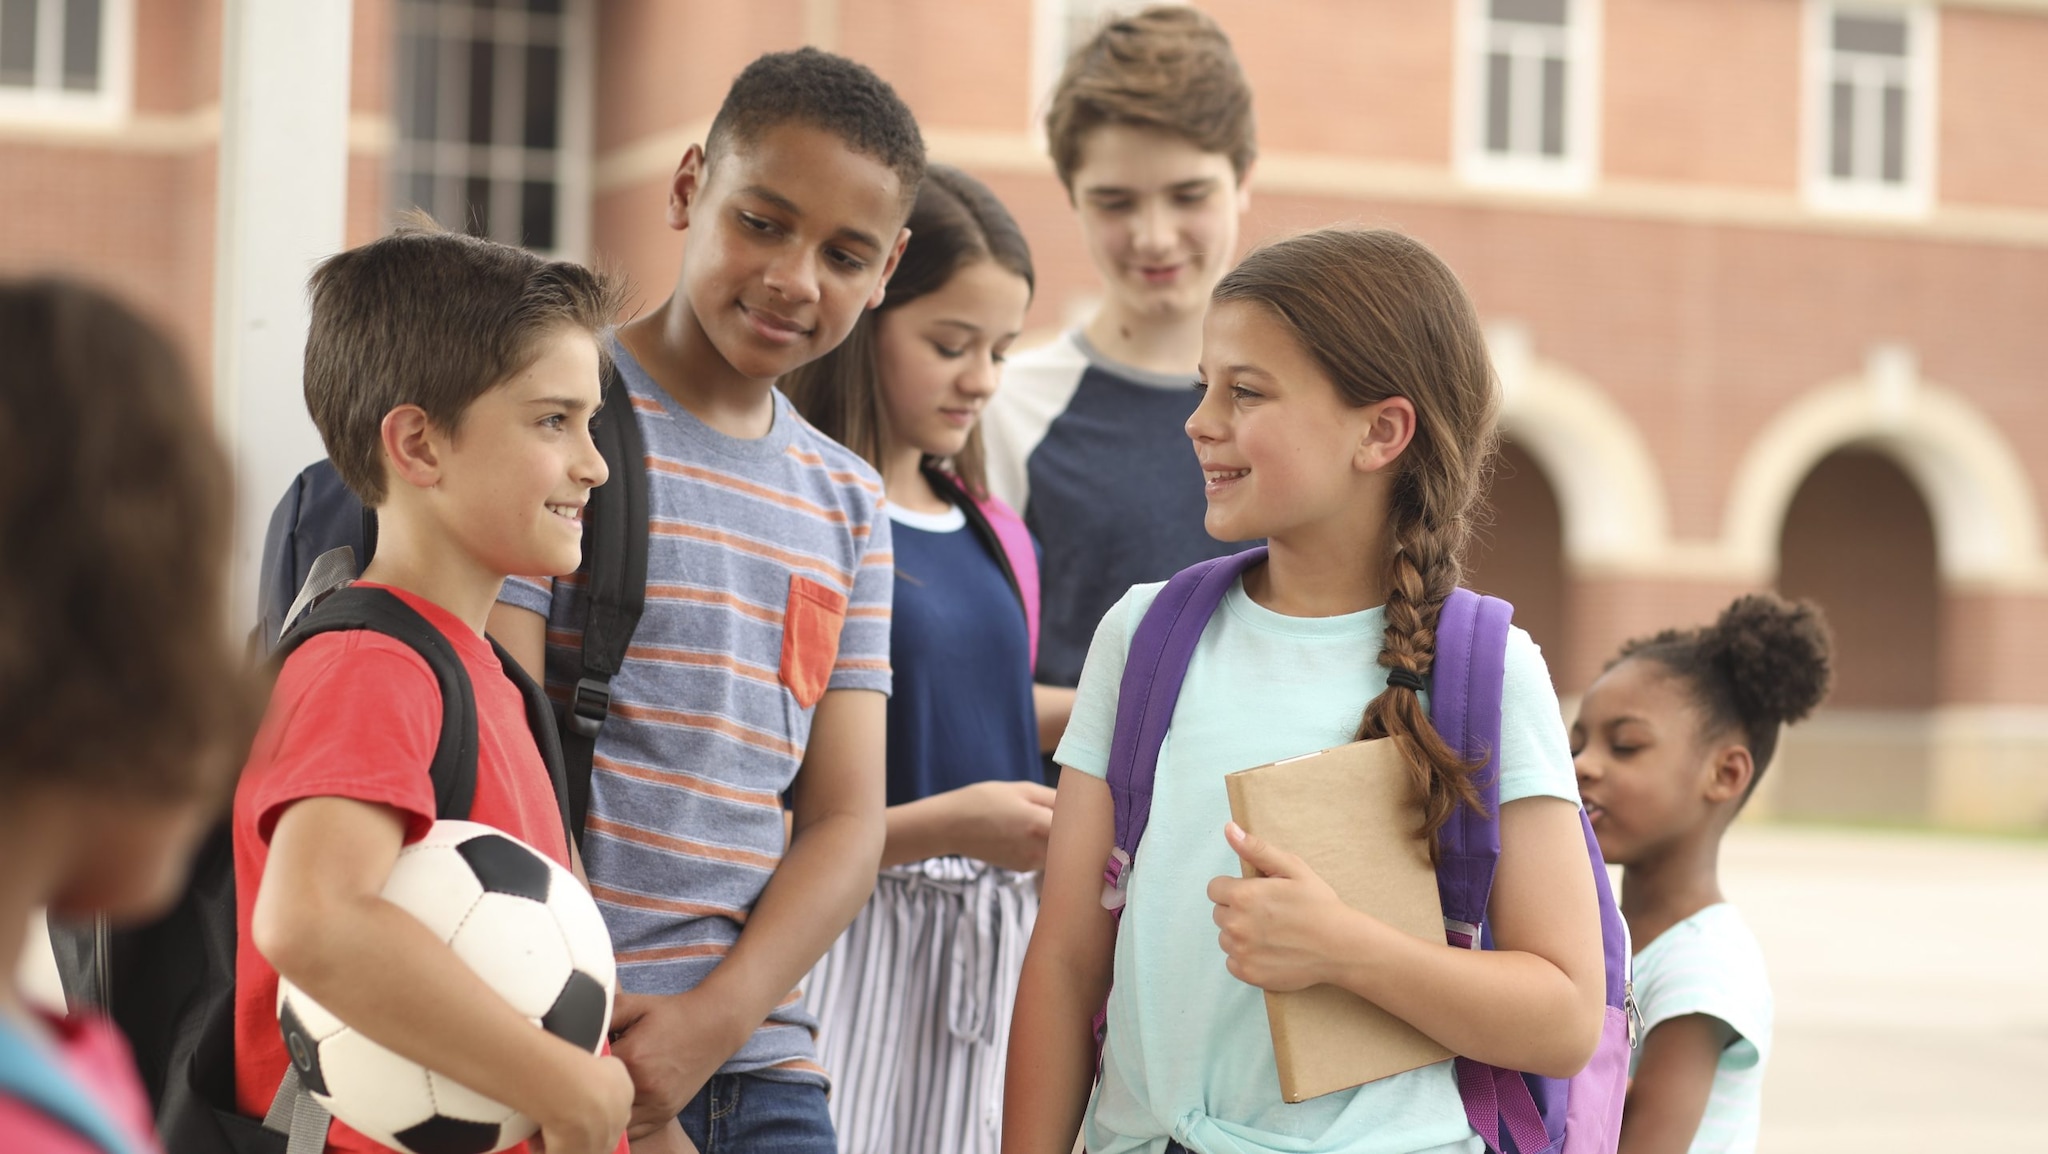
x=431 y=318
x=117 y=671
x=1169 y=68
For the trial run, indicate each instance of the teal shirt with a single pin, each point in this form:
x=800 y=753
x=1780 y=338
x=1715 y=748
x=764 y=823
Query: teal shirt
x=1189 y=1055
x=1710 y=964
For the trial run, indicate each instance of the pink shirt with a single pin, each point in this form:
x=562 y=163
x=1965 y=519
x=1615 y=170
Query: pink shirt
x=97 y=1058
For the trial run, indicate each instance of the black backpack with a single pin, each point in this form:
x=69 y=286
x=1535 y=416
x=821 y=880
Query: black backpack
x=318 y=515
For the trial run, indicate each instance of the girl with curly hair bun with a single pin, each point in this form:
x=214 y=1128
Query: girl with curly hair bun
x=1669 y=744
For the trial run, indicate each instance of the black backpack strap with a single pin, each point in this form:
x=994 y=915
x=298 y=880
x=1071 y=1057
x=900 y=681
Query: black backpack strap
x=540 y=718
x=379 y=611
x=615 y=564
x=950 y=487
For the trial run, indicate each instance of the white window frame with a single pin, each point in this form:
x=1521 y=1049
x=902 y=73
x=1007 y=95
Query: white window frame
x=1822 y=189
x=48 y=102
x=573 y=145
x=1578 y=169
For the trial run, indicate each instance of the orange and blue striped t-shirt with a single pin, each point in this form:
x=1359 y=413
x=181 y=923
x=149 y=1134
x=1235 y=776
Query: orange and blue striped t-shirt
x=769 y=582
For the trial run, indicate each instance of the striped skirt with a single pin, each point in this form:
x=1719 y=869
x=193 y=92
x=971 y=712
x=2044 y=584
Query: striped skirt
x=914 y=1003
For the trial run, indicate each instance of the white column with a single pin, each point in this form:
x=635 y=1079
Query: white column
x=283 y=205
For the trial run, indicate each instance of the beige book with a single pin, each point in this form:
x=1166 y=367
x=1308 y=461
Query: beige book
x=1353 y=814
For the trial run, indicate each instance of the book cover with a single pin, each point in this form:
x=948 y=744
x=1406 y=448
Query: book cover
x=1353 y=813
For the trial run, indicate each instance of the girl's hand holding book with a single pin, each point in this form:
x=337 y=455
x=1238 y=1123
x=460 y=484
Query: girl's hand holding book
x=1277 y=928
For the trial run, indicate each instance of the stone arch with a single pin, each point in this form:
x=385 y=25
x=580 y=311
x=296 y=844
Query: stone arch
x=1609 y=492
x=1986 y=520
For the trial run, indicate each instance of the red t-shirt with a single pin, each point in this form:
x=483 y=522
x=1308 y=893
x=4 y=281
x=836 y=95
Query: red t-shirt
x=358 y=715
x=97 y=1057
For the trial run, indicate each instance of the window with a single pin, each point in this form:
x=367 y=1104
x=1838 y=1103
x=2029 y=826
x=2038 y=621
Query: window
x=1526 y=114
x=65 y=59
x=488 y=115
x=1870 y=98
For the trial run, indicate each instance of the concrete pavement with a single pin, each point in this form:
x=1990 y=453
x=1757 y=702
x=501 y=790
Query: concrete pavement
x=1911 y=973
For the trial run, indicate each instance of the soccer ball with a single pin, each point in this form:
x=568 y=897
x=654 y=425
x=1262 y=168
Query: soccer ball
x=526 y=926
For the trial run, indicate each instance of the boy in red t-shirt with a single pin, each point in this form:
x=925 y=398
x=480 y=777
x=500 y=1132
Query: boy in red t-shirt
x=453 y=381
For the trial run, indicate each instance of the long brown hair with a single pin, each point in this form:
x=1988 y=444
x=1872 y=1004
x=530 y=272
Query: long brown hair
x=956 y=222
x=1384 y=317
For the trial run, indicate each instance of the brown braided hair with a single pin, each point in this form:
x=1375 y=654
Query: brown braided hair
x=1384 y=317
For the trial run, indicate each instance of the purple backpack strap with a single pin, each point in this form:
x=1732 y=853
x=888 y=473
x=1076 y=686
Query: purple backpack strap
x=1464 y=704
x=1466 y=680
x=1153 y=671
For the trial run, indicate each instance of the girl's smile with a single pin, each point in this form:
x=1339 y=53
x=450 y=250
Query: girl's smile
x=1216 y=481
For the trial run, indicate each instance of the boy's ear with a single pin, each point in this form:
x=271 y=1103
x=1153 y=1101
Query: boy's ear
x=411 y=447
x=889 y=268
x=1732 y=771
x=1386 y=428
x=685 y=187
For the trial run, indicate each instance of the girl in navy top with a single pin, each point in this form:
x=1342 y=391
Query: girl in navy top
x=914 y=1001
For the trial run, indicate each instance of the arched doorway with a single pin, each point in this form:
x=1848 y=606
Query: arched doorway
x=1858 y=539
x=1518 y=553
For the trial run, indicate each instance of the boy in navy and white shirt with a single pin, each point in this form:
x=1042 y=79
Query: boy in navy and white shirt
x=1150 y=129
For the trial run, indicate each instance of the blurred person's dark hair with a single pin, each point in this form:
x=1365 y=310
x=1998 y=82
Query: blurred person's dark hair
x=432 y=318
x=117 y=670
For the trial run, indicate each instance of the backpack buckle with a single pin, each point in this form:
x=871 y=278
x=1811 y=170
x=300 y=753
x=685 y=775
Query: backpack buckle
x=1116 y=879
x=589 y=705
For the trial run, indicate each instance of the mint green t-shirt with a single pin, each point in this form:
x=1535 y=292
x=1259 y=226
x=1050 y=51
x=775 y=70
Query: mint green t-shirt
x=1710 y=964
x=1189 y=1056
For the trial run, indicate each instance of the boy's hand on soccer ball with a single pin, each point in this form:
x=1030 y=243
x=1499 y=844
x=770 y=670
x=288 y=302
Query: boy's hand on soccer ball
x=1006 y=823
x=671 y=1044
x=1274 y=928
x=593 y=1107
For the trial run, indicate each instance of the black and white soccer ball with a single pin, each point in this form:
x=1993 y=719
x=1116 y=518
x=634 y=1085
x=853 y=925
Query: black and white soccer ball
x=526 y=926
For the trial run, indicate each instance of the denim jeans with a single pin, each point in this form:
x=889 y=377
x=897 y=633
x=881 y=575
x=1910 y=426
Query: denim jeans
x=748 y=1114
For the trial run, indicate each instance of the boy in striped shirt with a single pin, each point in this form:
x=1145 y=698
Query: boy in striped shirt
x=759 y=669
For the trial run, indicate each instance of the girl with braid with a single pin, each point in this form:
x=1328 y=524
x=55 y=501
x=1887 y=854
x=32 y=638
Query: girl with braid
x=1669 y=744
x=1348 y=419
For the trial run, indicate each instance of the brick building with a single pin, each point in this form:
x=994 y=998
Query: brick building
x=1763 y=277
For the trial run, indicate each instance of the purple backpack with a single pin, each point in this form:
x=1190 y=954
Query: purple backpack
x=1515 y=1113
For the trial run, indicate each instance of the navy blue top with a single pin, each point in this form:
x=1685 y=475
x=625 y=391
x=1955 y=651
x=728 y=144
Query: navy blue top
x=1116 y=501
x=961 y=711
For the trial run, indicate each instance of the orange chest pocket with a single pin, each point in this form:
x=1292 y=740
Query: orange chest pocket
x=810 y=638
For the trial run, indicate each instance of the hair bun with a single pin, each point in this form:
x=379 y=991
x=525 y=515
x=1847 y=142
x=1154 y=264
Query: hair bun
x=1776 y=654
